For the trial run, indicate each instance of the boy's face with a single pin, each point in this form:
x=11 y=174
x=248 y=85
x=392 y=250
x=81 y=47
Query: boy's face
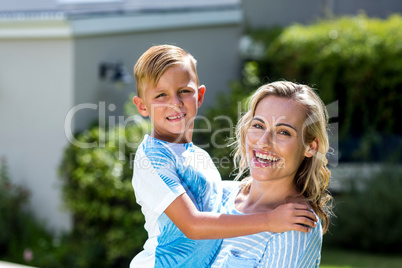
x=172 y=105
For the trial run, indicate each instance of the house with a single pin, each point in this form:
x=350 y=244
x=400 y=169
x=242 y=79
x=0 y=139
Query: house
x=67 y=63
x=51 y=84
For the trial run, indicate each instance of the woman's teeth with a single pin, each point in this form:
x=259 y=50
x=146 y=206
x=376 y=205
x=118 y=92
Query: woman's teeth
x=261 y=156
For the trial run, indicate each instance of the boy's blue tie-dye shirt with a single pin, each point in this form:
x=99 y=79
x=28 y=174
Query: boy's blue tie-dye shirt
x=162 y=172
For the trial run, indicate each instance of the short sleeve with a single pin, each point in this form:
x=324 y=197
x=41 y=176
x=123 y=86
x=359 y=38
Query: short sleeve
x=155 y=180
x=230 y=189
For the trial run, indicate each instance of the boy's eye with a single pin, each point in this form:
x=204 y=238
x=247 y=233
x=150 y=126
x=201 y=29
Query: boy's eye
x=160 y=95
x=185 y=91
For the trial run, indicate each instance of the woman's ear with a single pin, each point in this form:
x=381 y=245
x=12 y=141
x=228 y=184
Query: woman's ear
x=312 y=148
x=142 y=109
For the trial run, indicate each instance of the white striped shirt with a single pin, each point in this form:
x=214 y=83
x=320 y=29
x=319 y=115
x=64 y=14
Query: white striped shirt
x=277 y=250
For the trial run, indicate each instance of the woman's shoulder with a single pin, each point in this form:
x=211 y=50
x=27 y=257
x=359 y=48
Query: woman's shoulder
x=302 y=240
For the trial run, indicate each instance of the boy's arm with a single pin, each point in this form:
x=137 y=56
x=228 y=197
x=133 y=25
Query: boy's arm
x=209 y=225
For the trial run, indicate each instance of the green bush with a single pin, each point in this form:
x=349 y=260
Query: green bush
x=369 y=215
x=108 y=223
x=355 y=60
x=12 y=199
x=23 y=238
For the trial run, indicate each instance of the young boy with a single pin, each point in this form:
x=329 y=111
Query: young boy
x=175 y=182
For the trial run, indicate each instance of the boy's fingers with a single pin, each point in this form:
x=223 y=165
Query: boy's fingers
x=307 y=213
x=301 y=228
x=310 y=215
x=307 y=222
x=299 y=206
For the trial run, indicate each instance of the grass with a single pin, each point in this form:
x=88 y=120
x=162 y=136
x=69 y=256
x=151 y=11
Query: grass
x=334 y=258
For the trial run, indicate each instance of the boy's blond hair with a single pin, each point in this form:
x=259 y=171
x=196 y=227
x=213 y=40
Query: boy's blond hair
x=156 y=60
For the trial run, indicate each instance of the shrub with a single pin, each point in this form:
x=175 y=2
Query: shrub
x=108 y=223
x=12 y=198
x=368 y=217
x=23 y=238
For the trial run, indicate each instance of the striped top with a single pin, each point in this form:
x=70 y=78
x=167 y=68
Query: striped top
x=287 y=249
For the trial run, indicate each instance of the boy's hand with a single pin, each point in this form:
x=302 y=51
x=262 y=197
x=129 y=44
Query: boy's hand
x=291 y=217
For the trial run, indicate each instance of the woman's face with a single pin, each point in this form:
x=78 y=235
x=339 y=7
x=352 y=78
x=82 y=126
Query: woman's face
x=274 y=141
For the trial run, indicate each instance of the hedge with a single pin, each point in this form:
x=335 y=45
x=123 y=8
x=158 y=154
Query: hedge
x=368 y=215
x=108 y=223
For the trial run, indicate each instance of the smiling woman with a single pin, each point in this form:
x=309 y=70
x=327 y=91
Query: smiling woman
x=282 y=140
x=276 y=135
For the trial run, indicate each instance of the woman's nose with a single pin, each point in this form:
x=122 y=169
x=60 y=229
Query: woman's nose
x=266 y=139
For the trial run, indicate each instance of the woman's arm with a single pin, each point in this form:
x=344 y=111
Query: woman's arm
x=209 y=225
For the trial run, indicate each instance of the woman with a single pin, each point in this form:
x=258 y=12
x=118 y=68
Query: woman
x=282 y=140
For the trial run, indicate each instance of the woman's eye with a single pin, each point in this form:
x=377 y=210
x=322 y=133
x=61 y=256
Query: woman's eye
x=256 y=125
x=284 y=132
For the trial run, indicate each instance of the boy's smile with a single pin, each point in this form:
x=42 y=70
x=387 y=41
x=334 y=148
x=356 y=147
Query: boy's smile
x=172 y=104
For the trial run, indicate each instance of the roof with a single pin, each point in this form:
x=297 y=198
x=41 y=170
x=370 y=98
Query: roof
x=75 y=23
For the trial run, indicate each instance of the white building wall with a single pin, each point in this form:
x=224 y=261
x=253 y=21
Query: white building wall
x=208 y=36
x=36 y=81
x=213 y=47
x=47 y=68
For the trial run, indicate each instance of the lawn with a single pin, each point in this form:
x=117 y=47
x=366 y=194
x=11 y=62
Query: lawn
x=349 y=259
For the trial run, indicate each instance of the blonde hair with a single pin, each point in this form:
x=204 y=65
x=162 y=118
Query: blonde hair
x=156 y=60
x=312 y=177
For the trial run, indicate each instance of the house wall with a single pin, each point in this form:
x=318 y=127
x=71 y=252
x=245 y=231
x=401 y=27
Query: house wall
x=266 y=13
x=36 y=86
x=208 y=35
x=372 y=8
x=211 y=46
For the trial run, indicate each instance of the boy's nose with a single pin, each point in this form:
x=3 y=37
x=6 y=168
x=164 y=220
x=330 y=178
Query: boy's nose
x=176 y=101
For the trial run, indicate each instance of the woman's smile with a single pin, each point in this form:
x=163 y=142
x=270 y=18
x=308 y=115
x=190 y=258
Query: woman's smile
x=263 y=159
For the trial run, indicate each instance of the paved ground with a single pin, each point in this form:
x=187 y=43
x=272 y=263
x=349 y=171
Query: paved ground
x=12 y=265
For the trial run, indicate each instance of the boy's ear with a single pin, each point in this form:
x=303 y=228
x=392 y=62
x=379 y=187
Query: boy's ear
x=142 y=109
x=312 y=148
x=201 y=92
